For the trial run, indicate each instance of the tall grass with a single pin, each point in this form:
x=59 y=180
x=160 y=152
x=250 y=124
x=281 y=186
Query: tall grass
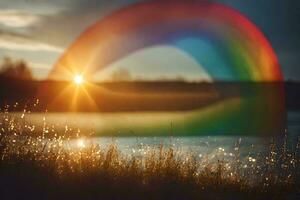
x=46 y=164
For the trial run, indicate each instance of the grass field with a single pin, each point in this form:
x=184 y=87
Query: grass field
x=44 y=165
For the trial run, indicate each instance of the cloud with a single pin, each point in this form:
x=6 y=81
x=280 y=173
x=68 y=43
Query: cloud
x=14 y=41
x=16 y=18
x=62 y=24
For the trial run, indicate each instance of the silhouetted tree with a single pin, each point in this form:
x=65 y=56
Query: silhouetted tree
x=15 y=69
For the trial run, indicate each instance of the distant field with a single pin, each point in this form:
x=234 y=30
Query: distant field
x=132 y=96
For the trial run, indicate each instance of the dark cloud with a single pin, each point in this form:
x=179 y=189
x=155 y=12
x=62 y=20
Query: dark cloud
x=279 y=21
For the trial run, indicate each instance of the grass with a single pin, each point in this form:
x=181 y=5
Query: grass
x=44 y=164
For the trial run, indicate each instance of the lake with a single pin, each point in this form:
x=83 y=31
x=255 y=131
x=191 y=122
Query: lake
x=138 y=145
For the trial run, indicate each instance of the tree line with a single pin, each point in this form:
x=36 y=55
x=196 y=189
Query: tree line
x=16 y=69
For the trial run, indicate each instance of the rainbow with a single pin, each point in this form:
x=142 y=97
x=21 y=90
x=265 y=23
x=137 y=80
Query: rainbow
x=243 y=49
x=241 y=45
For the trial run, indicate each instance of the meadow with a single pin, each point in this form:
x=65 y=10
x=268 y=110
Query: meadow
x=47 y=164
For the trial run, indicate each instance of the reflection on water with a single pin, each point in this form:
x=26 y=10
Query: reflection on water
x=197 y=145
x=251 y=152
x=167 y=128
x=210 y=146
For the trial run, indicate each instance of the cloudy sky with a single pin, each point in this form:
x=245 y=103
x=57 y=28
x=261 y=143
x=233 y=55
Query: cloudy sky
x=38 y=31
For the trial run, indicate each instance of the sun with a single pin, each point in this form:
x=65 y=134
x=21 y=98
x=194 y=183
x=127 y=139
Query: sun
x=78 y=79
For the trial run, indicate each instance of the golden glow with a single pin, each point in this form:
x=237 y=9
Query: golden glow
x=81 y=143
x=78 y=79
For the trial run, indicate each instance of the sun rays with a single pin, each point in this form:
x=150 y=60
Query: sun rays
x=71 y=95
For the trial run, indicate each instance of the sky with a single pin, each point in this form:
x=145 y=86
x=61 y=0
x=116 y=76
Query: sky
x=39 y=31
